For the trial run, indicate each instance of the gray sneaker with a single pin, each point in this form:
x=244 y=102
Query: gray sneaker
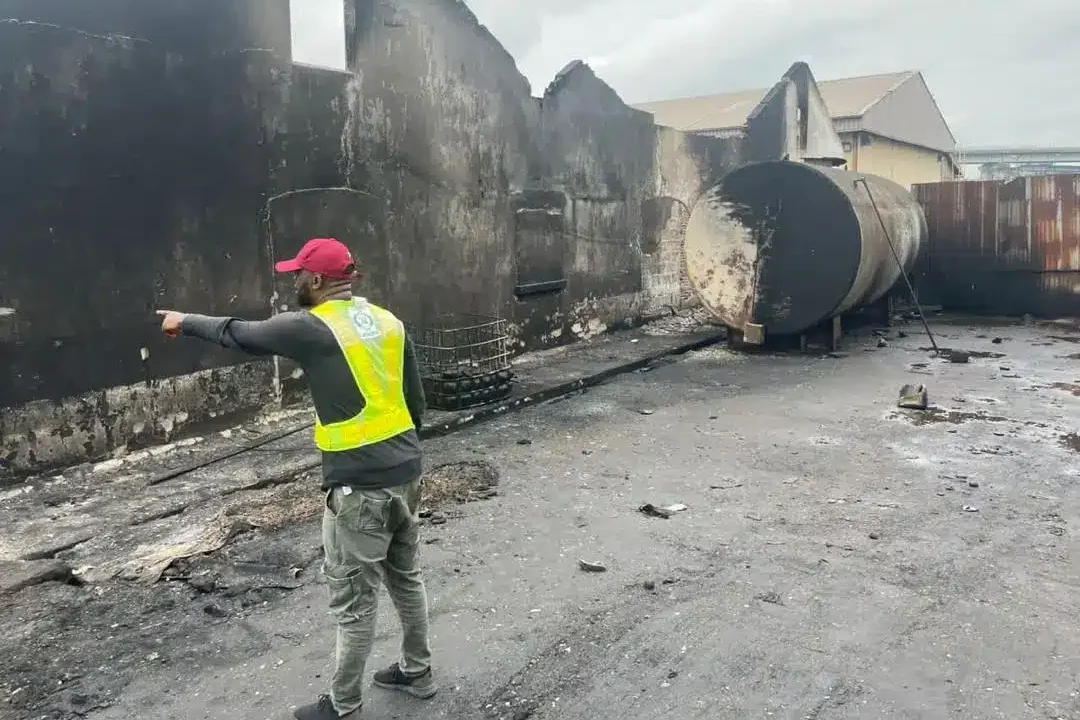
x=419 y=686
x=323 y=709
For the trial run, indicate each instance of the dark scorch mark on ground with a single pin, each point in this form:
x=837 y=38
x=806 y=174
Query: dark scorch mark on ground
x=1071 y=441
x=940 y=415
x=954 y=355
x=1073 y=388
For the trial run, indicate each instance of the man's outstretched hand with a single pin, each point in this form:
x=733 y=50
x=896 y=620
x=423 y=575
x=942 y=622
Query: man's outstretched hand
x=172 y=322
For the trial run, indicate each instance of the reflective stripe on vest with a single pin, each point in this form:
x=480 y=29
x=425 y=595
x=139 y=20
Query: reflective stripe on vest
x=373 y=341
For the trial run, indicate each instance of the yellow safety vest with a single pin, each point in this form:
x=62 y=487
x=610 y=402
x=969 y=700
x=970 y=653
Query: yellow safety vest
x=373 y=341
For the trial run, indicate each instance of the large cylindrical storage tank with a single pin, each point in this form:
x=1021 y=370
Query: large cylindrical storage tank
x=785 y=245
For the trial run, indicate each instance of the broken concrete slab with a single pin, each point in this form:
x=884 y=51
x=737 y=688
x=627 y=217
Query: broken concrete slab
x=16 y=575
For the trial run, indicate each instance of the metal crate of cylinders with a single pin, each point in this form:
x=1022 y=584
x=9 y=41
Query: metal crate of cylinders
x=464 y=360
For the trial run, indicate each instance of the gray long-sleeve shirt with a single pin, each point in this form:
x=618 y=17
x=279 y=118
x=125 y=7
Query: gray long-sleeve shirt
x=302 y=337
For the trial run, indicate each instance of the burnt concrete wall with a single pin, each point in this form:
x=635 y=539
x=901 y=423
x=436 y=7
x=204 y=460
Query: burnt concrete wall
x=628 y=187
x=440 y=124
x=160 y=154
x=599 y=156
x=133 y=177
x=792 y=123
x=190 y=26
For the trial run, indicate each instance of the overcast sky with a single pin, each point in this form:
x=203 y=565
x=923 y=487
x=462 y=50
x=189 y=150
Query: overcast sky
x=1003 y=71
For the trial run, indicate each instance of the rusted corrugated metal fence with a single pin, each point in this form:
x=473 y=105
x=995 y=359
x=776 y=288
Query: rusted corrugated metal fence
x=1005 y=248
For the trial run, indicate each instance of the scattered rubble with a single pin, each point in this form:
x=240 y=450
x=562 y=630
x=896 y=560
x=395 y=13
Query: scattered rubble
x=913 y=397
x=459 y=482
x=679 y=322
x=772 y=598
x=592 y=567
x=651 y=510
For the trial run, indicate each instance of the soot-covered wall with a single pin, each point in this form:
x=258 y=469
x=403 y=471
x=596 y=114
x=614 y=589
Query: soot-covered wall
x=150 y=162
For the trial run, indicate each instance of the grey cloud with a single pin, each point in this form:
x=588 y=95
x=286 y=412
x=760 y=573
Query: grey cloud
x=1003 y=71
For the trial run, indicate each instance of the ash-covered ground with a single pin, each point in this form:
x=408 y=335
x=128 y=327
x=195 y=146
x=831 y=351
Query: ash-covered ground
x=837 y=557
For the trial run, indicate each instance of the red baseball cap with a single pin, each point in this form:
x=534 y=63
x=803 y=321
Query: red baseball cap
x=323 y=256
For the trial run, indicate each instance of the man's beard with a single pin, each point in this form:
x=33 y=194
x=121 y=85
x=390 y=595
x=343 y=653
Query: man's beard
x=303 y=297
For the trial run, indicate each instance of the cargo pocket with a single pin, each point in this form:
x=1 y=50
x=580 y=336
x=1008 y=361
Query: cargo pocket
x=372 y=514
x=341 y=597
x=352 y=596
x=361 y=533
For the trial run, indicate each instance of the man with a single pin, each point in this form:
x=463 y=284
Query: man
x=365 y=385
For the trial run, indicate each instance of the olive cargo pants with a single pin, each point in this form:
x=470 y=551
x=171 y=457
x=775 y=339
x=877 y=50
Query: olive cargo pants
x=373 y=536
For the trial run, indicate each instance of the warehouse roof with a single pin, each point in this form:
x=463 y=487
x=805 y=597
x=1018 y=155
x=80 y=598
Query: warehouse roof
x=850 y=97
x=849 y=100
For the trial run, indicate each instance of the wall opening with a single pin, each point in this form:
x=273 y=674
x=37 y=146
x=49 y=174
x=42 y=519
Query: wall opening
x=540 y=246
x=318 y=33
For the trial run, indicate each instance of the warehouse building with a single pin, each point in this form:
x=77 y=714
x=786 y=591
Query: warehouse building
x=890 y=125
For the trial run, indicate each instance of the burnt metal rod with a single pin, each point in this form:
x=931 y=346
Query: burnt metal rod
x=189 y=468
x=899 y=264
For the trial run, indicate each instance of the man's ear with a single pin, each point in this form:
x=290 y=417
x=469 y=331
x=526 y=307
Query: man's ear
x=316 y=281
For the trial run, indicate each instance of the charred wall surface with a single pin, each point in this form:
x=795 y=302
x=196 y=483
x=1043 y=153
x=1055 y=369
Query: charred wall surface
x=1005 y=248
x=159 y=154
x=586 y=190
x=132 y=179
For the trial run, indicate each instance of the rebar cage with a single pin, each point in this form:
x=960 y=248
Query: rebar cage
x=464 y=360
